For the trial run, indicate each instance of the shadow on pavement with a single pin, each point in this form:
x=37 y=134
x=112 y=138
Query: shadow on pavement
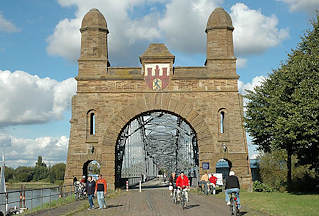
x=150 y=187
x=114 y=206
x=191 y=206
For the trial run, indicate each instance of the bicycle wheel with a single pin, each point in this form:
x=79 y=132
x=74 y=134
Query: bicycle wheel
x=185 y=203
x=234 y=209
x=182 y=200
x=175 y=198
x=231 y=206
x=77 y=196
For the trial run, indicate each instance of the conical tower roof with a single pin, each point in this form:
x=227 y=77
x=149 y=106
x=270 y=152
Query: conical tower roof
x=94 y=18
x=219 y=18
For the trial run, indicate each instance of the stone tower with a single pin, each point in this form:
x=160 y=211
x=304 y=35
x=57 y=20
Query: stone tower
x=93 y=45
x=206 y=97
x=221 y=61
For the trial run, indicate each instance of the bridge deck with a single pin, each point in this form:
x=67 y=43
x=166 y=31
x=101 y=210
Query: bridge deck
x=150 y=202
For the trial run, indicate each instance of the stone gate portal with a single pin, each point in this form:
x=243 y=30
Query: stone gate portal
x=206 y=97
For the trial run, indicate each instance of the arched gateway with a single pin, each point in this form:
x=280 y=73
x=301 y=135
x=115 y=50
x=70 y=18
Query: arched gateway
x=108 y=98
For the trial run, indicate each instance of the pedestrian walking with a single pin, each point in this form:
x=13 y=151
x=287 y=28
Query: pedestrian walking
x=74 y=179
x=90 y=189
x=100 y=191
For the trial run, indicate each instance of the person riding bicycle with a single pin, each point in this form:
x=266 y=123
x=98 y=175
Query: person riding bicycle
x=212 y=183
x=204 y=183
x=232 y=185
x=182 y=182
x=172 y=182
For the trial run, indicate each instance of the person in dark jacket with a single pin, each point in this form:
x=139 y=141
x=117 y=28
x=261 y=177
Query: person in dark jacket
x=90 y=189
x=172 y=182
x=74 y=179
x=232 y=185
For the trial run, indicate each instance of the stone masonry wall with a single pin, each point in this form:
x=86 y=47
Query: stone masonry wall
x=115 y=102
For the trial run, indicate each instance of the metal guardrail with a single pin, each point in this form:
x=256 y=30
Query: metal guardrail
x=26 y=198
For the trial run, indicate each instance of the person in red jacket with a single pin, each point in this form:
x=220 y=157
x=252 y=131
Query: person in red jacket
x=182 y=183
x=213 y=181
x=100 y=191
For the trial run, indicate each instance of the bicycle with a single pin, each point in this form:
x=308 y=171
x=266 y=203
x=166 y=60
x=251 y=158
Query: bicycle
x=183 y=198
x=174 y=196
x=234 y=205
x=79 y=191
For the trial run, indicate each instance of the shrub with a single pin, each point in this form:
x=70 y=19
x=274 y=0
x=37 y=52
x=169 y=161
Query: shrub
x=261 y=187
x=273 y=169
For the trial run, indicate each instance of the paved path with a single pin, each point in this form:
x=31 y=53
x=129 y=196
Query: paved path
x=149 y=202
x=158 y=203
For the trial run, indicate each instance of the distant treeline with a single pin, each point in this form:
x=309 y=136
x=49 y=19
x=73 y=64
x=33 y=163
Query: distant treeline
x=39 y=172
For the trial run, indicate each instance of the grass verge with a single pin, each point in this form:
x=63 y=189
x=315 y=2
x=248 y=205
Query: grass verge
x=281 y=204
x=30 y=185
x=85 y=205
x=53 y=204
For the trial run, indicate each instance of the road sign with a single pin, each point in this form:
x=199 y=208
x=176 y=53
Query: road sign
x=205 y=165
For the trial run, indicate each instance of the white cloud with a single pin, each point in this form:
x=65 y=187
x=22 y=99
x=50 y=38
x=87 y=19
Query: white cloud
x=5 y=140
x=184 y=24
x=28 y=99
x=24 y=152
x=181 y=25
x=66 y=39
x=7 y=26
x=254 y=32
x=257 y=81
x=127 y=39
x=241 y=62
x=302 y=5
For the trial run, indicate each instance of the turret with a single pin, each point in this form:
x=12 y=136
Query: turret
x=221 y=62
x=93 y=61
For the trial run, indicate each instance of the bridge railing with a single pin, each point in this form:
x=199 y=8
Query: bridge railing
x=31 y=198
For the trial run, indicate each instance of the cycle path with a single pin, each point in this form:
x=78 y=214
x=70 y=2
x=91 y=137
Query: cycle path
x=157 y=203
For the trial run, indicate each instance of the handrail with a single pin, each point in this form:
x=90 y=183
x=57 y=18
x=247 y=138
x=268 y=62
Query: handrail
x=25 y=197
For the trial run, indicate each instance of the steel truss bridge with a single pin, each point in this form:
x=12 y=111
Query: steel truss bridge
x=156 y=140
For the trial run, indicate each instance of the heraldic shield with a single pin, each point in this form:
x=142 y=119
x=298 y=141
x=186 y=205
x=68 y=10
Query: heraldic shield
x=157 y=76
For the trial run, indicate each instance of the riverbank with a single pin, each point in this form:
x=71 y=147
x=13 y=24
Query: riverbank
x=29 y=185
x=66 y=206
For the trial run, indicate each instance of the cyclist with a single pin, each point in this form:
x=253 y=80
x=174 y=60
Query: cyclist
x=213 y=181
x=232 y=185
x=182 y=182
x=172 y=182
x=204 y=182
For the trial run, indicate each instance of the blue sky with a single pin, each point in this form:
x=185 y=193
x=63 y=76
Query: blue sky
x=40 y=42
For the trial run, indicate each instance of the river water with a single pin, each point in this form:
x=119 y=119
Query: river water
x=33 y=198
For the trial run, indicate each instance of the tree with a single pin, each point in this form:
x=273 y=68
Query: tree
x=24 y=174
x=283 y=113
x=57 y=172
x=40 y=173
x=40 y=170
x=40 y=163
x=273 y=169
x=9 y=173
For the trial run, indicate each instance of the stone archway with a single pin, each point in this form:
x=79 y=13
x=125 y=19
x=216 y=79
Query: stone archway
x=149 y=103
x=163 y=139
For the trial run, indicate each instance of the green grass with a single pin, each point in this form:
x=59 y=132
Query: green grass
x=30 y=185
x=281 y=204
x=53 y=204
x=84 y=206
